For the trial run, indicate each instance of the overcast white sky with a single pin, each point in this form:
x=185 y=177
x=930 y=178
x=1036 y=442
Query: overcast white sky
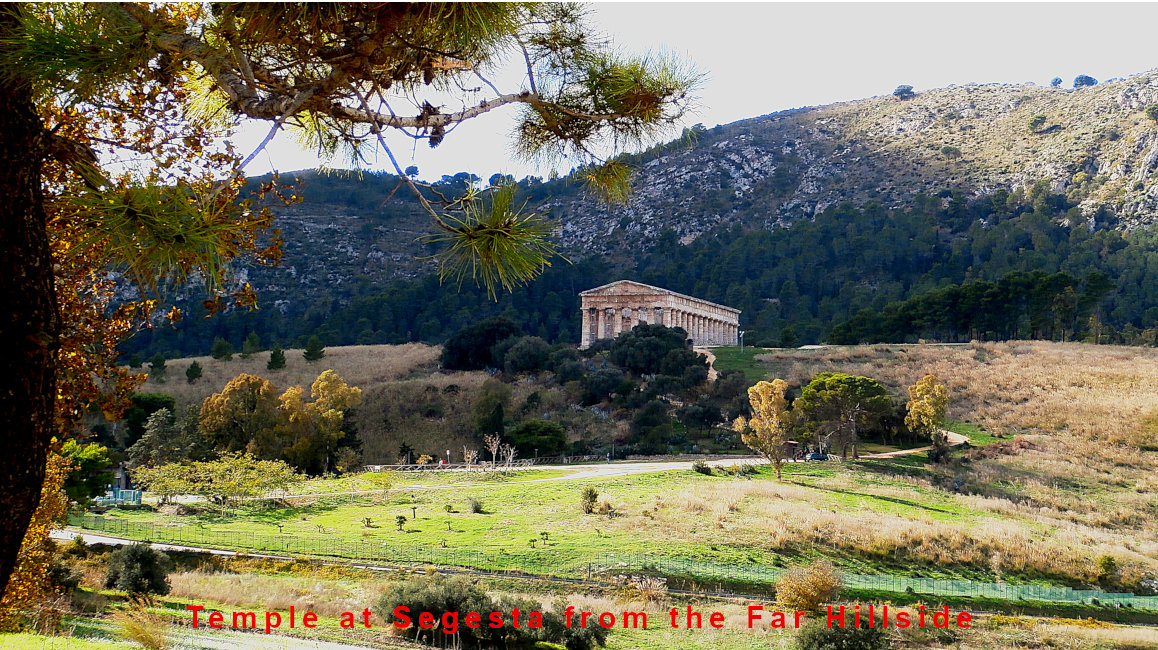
x=765 y=57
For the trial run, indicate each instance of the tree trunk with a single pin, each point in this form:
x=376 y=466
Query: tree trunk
x=30 y=325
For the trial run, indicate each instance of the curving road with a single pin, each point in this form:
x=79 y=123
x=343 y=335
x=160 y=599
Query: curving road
x=621 y=468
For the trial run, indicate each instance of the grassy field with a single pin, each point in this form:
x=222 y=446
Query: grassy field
x=872 y=517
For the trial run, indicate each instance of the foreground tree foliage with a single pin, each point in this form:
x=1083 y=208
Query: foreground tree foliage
x=158 y=80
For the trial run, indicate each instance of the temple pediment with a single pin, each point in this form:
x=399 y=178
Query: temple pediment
x=626 y=288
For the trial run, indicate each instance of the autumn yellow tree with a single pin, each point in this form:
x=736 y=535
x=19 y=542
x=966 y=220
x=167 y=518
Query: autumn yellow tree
x=246 y=410
x=927 y=406
x=311 y=430
x=768 y=431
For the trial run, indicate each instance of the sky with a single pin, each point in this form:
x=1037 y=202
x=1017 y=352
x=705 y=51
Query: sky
x=760 y=58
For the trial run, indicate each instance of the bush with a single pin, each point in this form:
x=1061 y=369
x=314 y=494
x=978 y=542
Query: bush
x=1056 y=82
x=470 y=348
x=1036 y=122
x=1152 y=112
x=526 y=354
x=587 y=499
x=449 y=598
x=805 y=589
x=701 y=467
x=139 y=569
x=1084 y=80
x=476 y=506
x=904 y=91
x=543 y=436
x=818 y=636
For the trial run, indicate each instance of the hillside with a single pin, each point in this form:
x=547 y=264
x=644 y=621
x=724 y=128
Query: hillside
x=892 y=198
x=1096 y=146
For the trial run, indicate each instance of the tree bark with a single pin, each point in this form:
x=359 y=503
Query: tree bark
x=30 y=322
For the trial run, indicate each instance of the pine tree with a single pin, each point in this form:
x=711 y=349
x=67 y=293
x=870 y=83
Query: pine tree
x=251 y=346
x=193 y=372
x=276 y=359
x=157 y=368
x=314 y=350
x=222 y=350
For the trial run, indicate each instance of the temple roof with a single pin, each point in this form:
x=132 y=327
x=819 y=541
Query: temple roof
x=631 y=287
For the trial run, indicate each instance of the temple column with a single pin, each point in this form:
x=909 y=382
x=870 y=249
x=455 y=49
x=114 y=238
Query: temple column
x=585 y=331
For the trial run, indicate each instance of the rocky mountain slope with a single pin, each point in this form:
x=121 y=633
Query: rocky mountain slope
x=356 y=236
x=1096 y=144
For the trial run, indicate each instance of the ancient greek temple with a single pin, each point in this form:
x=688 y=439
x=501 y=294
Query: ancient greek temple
x=620 y=306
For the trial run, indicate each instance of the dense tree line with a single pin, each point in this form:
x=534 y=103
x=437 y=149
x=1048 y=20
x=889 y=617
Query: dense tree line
x=1019 y=305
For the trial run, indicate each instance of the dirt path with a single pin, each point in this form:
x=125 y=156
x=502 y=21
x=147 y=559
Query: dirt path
x=712 y=374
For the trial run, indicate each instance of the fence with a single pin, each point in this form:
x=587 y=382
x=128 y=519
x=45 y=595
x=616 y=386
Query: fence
x=546 y=562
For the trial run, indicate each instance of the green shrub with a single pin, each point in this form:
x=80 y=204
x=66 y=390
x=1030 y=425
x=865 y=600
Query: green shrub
x=139 y=569
x=818 y=636
x=701 y=467
x=1152 y=112
x=476 y=506
x=452 y=597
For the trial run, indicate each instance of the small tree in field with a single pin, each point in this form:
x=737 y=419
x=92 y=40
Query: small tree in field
x=1056 y=82
x=314 y=350
x=1084 y=80
x=157 y=368
x=807 y=588
x=1036 y=122
x=1152 y=112
x=193 y=372
x=767 y=432
x=493 y=443
x=276 y=359
x=928 y=404
x=251 y=345
x=222 y=350
x=904 y=91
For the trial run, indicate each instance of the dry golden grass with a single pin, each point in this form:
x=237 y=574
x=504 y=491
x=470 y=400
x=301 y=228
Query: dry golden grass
x=359 y=365
x=1078 y=484
x=326 y=597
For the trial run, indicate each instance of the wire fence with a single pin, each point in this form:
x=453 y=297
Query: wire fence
x=548 y=562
